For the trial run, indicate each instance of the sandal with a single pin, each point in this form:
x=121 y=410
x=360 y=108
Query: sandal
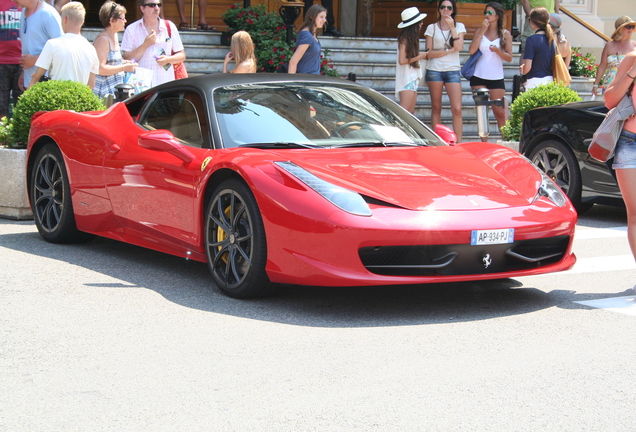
x=205 y=27
x=184 y=26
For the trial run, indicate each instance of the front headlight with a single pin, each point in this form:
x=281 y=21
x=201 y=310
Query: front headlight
x=550 y=190
x=342 y=198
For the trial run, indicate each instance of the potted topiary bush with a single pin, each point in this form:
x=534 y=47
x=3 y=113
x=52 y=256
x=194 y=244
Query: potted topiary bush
x=50 y=96
x=544 y=95
x=14 y=133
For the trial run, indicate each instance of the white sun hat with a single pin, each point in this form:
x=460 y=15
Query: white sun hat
x=411 y=16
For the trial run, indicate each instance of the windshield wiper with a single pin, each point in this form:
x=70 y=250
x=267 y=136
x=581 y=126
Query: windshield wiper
x=377 y=144
x=279 y=144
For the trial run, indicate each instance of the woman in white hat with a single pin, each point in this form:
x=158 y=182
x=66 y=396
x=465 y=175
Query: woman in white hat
x=444 y=41
x=614 y=52
x=408 y=71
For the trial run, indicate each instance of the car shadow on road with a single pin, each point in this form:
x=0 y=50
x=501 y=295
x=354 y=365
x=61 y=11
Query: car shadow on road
x=188 y=284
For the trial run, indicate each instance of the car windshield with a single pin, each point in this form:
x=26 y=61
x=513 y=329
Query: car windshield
x=301 y=115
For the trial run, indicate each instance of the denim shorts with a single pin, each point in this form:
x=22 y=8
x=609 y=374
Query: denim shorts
x=625 y=154
x=412 y=85
x=445 y=77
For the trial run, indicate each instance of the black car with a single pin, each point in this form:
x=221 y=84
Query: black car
x=556 y=139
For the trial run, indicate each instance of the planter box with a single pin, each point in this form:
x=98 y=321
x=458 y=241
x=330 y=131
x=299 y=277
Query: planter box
x=13 y=189
x=510 y=144
x=385 y=17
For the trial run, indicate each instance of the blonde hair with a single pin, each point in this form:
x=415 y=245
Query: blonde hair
x=541 y=18
x=74 y=11
x=109 y=10
x=243 y=48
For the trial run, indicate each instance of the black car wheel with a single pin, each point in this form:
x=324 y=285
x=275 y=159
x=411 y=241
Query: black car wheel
x=557 y=161
x=235 y=242
x=51 y=198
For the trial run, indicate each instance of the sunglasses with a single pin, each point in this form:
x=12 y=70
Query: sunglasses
x=630 y=27
x=152 y=5
x=445 y=7
x=491 y=13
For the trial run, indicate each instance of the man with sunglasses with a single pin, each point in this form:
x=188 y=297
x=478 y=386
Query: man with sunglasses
x=39 y=22
x=551 y=5
x=149 y=42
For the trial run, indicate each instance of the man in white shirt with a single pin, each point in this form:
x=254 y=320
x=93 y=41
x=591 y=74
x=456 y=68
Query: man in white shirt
x=70 y=57
x=149 y=42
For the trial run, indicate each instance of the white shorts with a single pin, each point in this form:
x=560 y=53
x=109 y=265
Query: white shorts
x=536 y=82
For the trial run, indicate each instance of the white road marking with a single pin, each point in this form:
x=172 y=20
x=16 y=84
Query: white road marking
x=598 y=233
x=602 y=264
x=624 y=305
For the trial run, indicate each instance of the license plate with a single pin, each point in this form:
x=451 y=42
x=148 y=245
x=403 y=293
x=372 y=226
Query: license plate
x=488 y=237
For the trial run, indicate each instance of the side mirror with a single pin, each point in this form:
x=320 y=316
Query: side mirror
x=447 y=134
x=163 y=140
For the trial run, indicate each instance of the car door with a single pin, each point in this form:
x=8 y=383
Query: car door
x=151 y=178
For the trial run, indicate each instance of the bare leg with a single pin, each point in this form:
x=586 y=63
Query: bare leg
x=435 y=88
x=180 y=10
x=408 y=99
x=454 y=91
x=498 y=111
x=203 y=6
x=627 y=183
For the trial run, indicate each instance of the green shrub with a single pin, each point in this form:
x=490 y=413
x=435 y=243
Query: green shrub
x=5 y=132
x=544 y=95
x=50 y=96
x=583 y=65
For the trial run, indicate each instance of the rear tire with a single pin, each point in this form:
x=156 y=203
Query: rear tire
x=235 y=242
x=51 y=198
x=556 y=160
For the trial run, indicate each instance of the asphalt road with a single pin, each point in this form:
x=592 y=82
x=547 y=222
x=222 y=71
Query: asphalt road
x=111 y=337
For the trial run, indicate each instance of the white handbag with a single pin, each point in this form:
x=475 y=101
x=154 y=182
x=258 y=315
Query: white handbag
x=606 y=136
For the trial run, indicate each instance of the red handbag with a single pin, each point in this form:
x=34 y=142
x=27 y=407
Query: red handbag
x=180 y=70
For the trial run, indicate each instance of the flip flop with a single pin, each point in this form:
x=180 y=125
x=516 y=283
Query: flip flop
x=184 y=26
x=205 y=27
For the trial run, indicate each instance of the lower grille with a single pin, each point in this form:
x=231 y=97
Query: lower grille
x=463 y=259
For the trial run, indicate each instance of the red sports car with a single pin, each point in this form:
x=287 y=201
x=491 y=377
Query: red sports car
x=294 y=179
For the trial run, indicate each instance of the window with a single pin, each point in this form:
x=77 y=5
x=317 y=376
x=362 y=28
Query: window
x=182 y=114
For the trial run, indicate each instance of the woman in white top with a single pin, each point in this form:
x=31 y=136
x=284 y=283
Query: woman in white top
x=495 y=44
x=408 y=71
x=444 y=41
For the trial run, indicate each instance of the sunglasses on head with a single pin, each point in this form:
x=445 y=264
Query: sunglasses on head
x=152 y=5
x=489 y=13
x=445 y=7
x=630 y=27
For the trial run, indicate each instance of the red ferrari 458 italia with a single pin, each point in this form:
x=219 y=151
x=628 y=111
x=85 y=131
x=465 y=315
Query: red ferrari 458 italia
x=294 y=179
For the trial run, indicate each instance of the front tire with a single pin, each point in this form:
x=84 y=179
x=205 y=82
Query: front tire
x=556 y=160
x=51 y=198
x=235 y=242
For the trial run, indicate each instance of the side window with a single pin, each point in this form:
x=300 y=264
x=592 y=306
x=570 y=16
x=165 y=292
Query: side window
x=181 y=113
